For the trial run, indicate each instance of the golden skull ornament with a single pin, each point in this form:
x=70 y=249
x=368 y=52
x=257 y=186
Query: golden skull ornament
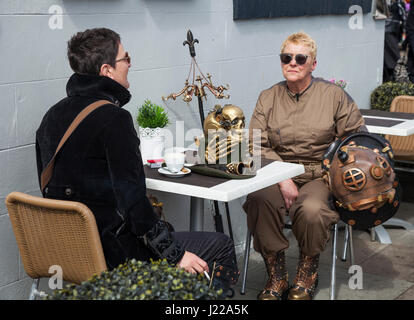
x=224 y=133
x=229 y=117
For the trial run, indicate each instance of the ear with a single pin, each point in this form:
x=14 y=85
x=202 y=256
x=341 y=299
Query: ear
x=106 y=71
x=314 y=65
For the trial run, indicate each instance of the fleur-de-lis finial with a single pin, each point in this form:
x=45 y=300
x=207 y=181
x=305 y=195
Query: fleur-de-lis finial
x=199 y=83
x=190 y=41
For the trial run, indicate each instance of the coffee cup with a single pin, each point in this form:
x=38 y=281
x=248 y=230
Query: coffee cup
x=174 y=161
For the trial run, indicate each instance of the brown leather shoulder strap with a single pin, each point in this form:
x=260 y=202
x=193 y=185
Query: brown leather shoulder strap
x=48 y=170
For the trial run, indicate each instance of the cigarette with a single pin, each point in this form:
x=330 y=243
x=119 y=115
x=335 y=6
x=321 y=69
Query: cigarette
x=207 y=276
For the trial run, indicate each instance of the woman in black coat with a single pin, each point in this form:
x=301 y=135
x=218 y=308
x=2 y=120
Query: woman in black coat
x=409 y=28
x=394 y=28
x=100 y=165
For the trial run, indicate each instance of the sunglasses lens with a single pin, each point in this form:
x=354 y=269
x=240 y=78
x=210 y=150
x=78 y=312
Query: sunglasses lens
x=301 y=59
x=285 y=58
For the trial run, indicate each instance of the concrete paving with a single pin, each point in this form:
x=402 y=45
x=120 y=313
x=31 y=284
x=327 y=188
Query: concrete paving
x=387 y=269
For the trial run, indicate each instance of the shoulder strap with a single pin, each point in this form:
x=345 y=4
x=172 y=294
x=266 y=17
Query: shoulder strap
x=48 y=170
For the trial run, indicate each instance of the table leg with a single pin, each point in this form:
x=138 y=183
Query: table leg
x=399 y=223
x=196 y=214
x=333 y=266
x=372 y=234
x=382 y=234
x=229 y=221
x=351 y=245
x=346 y=240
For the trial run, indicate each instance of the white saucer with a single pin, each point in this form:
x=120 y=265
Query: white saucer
x=189 y=164
x=168 y=173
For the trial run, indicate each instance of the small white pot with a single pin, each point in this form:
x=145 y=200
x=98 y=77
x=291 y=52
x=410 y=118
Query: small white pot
x=152 y=143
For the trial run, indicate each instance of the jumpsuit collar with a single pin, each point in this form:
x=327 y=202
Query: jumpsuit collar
x=296 y=96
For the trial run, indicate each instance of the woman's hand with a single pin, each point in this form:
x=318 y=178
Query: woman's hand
x=289 y=192
x=192 y=263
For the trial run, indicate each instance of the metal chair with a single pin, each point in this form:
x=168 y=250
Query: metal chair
x=348 y=242
x=55 y=232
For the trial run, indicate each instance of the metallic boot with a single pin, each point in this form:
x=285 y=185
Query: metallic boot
x=306 y=280
x=277 y=285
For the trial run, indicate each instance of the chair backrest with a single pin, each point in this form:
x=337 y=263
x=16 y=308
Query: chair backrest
x=403 y=146
x=56 y=232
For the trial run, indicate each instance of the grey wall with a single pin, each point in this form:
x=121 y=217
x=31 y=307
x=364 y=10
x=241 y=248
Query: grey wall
x=244 y=54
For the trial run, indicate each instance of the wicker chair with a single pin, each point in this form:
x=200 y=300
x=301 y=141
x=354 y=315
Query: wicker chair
x=403 y=146
x=55 y=232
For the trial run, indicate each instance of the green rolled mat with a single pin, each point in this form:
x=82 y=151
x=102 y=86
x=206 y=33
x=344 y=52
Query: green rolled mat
x=208 y=170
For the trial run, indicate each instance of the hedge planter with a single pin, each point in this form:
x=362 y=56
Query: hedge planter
x=383 y=95
x=137 y=280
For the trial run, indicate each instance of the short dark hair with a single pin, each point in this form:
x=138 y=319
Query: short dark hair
x=90 y=49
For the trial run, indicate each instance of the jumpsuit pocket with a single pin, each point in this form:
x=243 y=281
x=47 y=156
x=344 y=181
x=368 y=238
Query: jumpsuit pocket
x=323 y=134
x=275 y=139
x=322 y=138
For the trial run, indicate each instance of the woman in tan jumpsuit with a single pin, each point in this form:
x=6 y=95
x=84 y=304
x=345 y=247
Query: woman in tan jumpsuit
x=298 y=119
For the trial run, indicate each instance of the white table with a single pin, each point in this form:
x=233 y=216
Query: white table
x=226 y=191
x=383 y=122
x=394 y=123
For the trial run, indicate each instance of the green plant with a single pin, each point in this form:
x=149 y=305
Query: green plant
x=151 y=115
x=383 y=95
x=138 y=280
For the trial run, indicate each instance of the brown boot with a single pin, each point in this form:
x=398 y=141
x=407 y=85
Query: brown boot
x=277 y=285
x=306 y=280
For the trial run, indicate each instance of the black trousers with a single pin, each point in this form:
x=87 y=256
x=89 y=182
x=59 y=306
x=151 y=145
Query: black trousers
x=391 y=55
x=212 y=247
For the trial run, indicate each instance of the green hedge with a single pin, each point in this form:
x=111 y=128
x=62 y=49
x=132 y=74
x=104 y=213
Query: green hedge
x=383 y=95
x=137 y=280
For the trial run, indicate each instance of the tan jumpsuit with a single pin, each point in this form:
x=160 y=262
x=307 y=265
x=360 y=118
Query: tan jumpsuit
x=298 y=128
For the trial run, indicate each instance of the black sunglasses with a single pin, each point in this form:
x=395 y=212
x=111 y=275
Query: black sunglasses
x=127 y=58
x=300 y=59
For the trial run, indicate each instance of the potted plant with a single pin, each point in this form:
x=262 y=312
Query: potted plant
x=340 y=83
x=151 y=119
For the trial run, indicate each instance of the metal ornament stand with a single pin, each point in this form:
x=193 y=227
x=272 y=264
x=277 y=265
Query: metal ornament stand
x=197 y=88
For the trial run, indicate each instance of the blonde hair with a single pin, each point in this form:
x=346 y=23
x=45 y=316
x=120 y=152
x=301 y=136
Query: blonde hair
x=303 y=39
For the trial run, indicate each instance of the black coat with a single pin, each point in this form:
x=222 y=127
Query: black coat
x=394 y=28
x=409 y=26
x=100 y=165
